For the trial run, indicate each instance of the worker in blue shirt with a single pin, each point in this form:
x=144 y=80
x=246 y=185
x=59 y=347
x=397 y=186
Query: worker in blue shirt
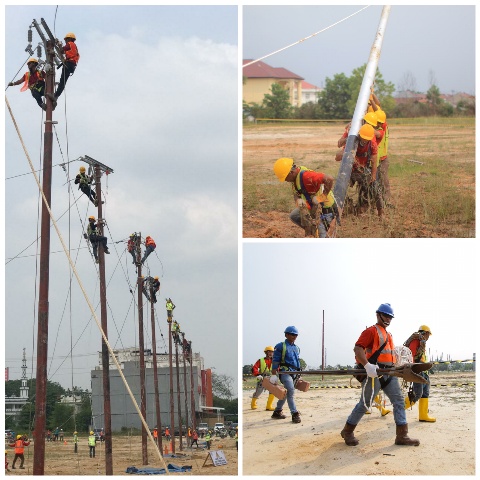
x=286 y=356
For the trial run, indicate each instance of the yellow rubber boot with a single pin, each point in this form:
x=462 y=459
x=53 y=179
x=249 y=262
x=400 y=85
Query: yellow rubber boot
x=378 y=404
x=253 y=406
x=408 y=404
x=270 y=407
x=423 y=411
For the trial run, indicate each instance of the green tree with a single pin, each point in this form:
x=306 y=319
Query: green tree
x=303 y=364
x=247 y=369
x=62 y=417
x=222 y=386
x=277 y=104
x=333 y=99
x=84 y=416
x=230 y=406
x=434 y=100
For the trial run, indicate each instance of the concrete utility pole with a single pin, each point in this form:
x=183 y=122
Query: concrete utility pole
x=343 y=177
x=107 y=412
x=141 y=343
x=178 y=393
x=44 y=277
x=172 y=403
x=155 y=375
x=187 y=423
x=323 y=341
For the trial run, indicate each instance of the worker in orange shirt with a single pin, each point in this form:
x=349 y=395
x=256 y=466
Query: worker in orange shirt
x=72 y=57
x=155 y=435
x=34 y=80
x=20 y=443
x=149 y=247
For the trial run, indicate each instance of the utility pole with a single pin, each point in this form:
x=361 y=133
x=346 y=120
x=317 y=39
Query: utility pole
x=178 y=393
x=187 y=423
x=143 y=403
x=192 y=390
x=107 y=412
x=323 y=341
x=42 y=335
x=172 y=404
x=155 y=375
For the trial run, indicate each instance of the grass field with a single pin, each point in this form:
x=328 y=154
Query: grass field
x=432 y=177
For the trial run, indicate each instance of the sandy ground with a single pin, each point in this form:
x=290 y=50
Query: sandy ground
x=60 y=459
x=314 y=447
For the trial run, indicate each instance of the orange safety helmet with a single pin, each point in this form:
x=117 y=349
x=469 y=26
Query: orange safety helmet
x=366 y=132
x=70 y=35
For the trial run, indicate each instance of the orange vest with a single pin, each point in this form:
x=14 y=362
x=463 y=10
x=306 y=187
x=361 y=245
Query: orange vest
x=387 y=354
x=19 y=446
x=150 y=241
x=155 y=433
x=30 y=84
x=72 y=55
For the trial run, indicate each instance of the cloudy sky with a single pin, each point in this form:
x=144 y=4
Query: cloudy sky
x=432 y=282
x=429 y=42
x=155 y=97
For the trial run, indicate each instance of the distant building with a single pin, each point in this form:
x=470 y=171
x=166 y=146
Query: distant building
x=124 y=414
x=259 y=78
x=14 y=405
x=309 y=93
x=453 y=98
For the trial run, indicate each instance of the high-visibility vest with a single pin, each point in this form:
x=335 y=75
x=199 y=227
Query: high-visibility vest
x=92 y=228
x=383 y=145
x=264 y=368
x=72 y=55
x=31 y=84
x=19 y=446
x=208 y=437
x=150 y=242
x=387 y=354
x=284 y=351
x=91 y=441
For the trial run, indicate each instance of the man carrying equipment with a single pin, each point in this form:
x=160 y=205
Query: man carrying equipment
x=374 y=345
x=419 y=391
x=263 y=368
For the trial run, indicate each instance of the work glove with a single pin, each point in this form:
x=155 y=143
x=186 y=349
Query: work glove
x=300 y=202
x=259 y=378
x=371 y=369
x=10 y=84
x=273 y=379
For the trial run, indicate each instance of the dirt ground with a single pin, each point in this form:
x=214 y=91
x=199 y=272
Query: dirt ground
x=314 y=447
x=447 y=153
x=60 y=459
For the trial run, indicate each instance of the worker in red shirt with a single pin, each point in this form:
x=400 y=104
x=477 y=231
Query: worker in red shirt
x=307 y=192
x=263 y=368
x=375 y=349
x=72 y=57
x=34 y=80
x=20 y=443
x=149 y=247
x=131 y=244
x=419 y=391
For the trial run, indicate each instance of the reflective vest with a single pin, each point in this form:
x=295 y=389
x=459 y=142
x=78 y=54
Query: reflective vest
x=72 y=55
x=264 y=368
x=284 y=351
x=30 y=83
x=207 y=437
x=383 y=145
x=169 y=306
x=91 y=441
x=84 y=179
x=91 y=229
x=155 y=433
x=75 y=438
x=19 y=446
x=149 y=242
x=387 y=354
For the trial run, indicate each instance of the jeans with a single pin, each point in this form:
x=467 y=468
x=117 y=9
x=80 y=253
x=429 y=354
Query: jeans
x=148 y=250
x=421 y=390
x=392 y=391
x=67 y=70
x=287 y=381
x=327 y=218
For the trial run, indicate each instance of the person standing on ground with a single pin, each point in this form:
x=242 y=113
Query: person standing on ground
x=263 y=368
x=92 y=441
x=420 y=391
x=286 y=357
x=34 y=80
x=195 y=438
x=375 y=349
x=20 y=443
x=61 y=435
x=75 y=442
x=208 y=439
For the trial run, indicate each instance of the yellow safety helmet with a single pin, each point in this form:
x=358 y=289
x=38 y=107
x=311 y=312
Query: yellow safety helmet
x=19 y=437
x=30 y=60
x=74 y=433
x=381 y=116
x=282 y=168
x=6 y=451
x=424 y=328
x=269 y=348
x=155 y=278
x=91 y=217
x=70 y=35
x=366 y=132
x=82 y=169
x=91 y=432
x=371 y=118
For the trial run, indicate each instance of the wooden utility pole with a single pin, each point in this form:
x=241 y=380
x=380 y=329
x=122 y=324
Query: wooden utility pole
x=44 y=277
x=192 y=389
x=155 y=375
x=187 y=423
x=178 y=393
x=141 y=343
x=172 y=403
x=107 y=412
x=323 y=341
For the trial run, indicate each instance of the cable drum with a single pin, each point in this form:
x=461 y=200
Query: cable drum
x=403 y=355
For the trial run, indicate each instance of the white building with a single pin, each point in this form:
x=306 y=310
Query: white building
x=14 y=405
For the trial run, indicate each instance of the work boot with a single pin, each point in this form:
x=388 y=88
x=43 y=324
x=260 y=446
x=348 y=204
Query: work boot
x=408 y=403
x=402 y=437
x=270 y=407
x=296 y=417
x=43 y=106
x=423 y=411
x=253 y=405
x=107 y=251
x=23 y=468
x=278 y=415
x=348 y=436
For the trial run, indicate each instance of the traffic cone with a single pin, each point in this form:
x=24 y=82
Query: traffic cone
x=65 y=442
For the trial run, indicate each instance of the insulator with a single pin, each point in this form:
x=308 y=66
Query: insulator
x=30 y=36
x=39 y=51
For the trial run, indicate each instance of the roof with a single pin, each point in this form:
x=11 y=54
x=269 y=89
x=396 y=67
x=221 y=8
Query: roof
x=262 y=70
x=309 y=86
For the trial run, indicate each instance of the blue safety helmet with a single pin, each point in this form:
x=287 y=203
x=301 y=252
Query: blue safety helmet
x=386 y=309
x=291 y=329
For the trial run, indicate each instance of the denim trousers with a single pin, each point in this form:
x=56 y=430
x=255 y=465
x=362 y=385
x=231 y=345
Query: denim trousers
x=287 y=381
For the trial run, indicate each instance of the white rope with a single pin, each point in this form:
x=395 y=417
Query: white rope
x=85 y=293
x=303 y=39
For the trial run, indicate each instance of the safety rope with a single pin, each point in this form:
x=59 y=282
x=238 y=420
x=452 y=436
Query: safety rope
x=119 y=369
x=303 y=39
